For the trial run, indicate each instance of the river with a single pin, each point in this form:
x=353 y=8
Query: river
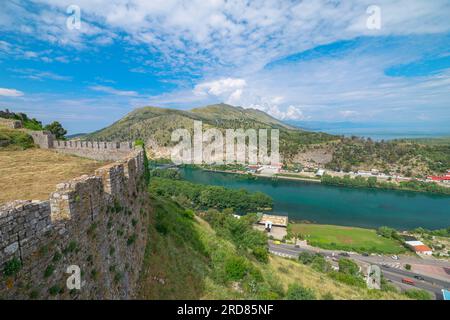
x=368 y=208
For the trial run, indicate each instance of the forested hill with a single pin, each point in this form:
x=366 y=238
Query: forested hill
x=308 y=149
x=157 y=124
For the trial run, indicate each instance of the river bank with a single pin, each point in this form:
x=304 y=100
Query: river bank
x=325 y=204
x=345 y=181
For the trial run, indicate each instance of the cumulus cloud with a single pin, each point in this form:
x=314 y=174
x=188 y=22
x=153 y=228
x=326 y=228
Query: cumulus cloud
x=229 y=46
x=10 y=92
x=230 y=34
x=229 y=89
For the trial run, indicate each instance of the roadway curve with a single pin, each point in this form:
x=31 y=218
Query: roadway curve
x=428 y=283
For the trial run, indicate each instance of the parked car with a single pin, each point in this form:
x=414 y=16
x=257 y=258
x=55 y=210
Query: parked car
x=365 y=254
x=408 y=281
x=344 y=254
x=419 y=278
x=395 y=257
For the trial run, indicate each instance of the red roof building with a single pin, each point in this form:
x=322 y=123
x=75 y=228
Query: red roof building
x=441 y=178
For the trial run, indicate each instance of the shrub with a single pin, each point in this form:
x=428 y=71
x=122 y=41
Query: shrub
x=305 y=257
x=407 y=266
x=235 y=268
x=57 y=256
x=348 y=266
x=131 y=239
x=348 y=279
x=12 y=267
x=418 y=294
x=297 y=292
x=188 y=213
x=53 y=291
x=49 y=270
x=71 y=247
x=261 y=254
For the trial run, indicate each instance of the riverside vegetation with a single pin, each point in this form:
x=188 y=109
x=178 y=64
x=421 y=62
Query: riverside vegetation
x=372 y=182
x=197 y=252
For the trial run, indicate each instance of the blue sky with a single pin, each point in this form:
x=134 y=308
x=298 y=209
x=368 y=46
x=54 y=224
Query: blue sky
x=297 y=60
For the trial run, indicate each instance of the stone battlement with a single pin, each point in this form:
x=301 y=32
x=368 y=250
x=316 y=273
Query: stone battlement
x=97 y=150
x=95 y=222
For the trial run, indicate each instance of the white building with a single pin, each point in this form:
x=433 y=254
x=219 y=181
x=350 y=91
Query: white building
x=419 y=247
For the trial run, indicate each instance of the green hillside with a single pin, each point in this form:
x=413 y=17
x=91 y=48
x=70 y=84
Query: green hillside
x=310 y=149
x=188 y=258
x=14 y=139
x=158 y=124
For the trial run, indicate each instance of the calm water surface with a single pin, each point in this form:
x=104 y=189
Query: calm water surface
x=318 y=203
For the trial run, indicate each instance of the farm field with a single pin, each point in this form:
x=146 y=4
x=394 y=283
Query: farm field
x=346 y=238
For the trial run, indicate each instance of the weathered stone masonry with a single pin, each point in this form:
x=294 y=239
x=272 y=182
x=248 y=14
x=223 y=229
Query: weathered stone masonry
x=96 y=222
x=97 y=150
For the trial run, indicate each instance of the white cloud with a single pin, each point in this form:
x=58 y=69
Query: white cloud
x=39 y=75
x=223 y=35
x=10 y=92
x=231 y=42
x=229 y=89
x=113 y=91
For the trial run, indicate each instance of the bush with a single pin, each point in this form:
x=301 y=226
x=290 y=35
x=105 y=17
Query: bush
x=297 y=292
x=131 y=239
x=348 y=279
x=348 y=266
x=12 y=267
x=49 y=271
x=407 y=266
x=55 y=290
x=188 y=213
x=15 y=139
x=306 y=257
x=235 y=268
x=418 y=294
x=317 y=261
x=261 y=254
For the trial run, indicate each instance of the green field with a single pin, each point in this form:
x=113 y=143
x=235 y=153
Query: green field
x=346 y=238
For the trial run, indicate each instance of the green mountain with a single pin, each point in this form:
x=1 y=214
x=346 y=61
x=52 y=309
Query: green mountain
x=157 y=124
x=308 y=149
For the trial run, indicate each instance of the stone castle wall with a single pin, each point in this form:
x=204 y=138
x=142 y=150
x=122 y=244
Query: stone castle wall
x=11 y=123
x=95 y=222
x=97 y=150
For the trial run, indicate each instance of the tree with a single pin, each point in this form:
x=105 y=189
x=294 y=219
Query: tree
x=348 y=266
x=57 y=129
x=297 y=292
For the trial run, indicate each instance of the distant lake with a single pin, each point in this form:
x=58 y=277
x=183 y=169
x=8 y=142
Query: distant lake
x=377 y=131
x=369 y=208
x=385 y=134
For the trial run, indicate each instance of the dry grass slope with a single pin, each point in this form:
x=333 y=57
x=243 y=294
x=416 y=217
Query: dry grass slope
x=289 y=271
x=33 y=173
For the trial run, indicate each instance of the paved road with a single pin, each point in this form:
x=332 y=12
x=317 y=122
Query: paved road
x=429 y=283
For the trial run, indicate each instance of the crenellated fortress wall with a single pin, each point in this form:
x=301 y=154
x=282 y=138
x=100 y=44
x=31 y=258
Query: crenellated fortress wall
x=95 y=222
x=97 y=150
